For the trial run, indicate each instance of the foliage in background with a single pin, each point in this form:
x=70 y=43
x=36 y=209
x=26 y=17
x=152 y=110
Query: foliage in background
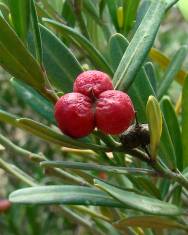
x=93 y=185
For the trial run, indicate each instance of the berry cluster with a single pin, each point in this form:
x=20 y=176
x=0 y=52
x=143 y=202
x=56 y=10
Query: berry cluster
x=94 y=103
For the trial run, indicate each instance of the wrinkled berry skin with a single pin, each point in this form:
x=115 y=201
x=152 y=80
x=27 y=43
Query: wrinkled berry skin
x=114 y=112
x=74 y=115
x=92 y=83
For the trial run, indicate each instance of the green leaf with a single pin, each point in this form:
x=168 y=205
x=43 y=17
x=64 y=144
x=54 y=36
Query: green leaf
x=183 y=6
x=174 y=129
x=172 y=71
x=48 y=134
x=61 y=65
x=17 y=60
x=148 y=185
x=117 y=45
x=91 y=8
x=36 y=32
x=140 y=44
x=154 y=117
x=185 y=123
x=130 y=9
x=53 y=136
x=144 y=6
x=139 y=202
x=148 y=221
x=8 y=118
x=35 y=100
x=139 y=97
x=151 y=73
x=112 y=7
x=95 y=56
x=166 y=148
x=68 y=13
x=66 y=195
x=94 y=167
x=20 y=14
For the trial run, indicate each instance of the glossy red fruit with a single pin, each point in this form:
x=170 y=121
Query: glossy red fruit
x=74 y=115
x=4 y=205
x=92 y=83
x=114 y=112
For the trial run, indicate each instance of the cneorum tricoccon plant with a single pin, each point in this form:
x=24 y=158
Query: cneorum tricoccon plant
x=99 y=171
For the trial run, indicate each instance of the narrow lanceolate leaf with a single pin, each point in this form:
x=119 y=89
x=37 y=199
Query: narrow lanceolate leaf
x=151 y=73
x=112 y=7
x=53 y=136
x=172 y=70
x=166 y=148
x=66 y=195
x=156 y=222
x=164 y=62
x=185 y=123
x=117 y=45
x=15 y=58
x=94 y=167
x=130 y=9
x=140 y=44
x=155 y=124
x=36 y=32
x=47 y=133
x=20 y=15
x=174 y=129
x=32 y=98
x=61 y=65
x=95 y=56
x=139 y=202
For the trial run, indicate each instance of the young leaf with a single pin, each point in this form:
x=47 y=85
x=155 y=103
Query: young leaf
x=147 y=221
x=140 y=44
x=95 y=56
x=155 y=124
x=20 y=15
x=185 y=123
x=66 y=195
x=172 y=71
x=174 y=129
x=139 y=202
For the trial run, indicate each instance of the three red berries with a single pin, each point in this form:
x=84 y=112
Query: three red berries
x=94 y=103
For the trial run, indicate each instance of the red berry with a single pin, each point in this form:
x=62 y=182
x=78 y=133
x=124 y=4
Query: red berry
x=114 y=112
x=92 y=83
x=74 y=115
x=4 y=205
